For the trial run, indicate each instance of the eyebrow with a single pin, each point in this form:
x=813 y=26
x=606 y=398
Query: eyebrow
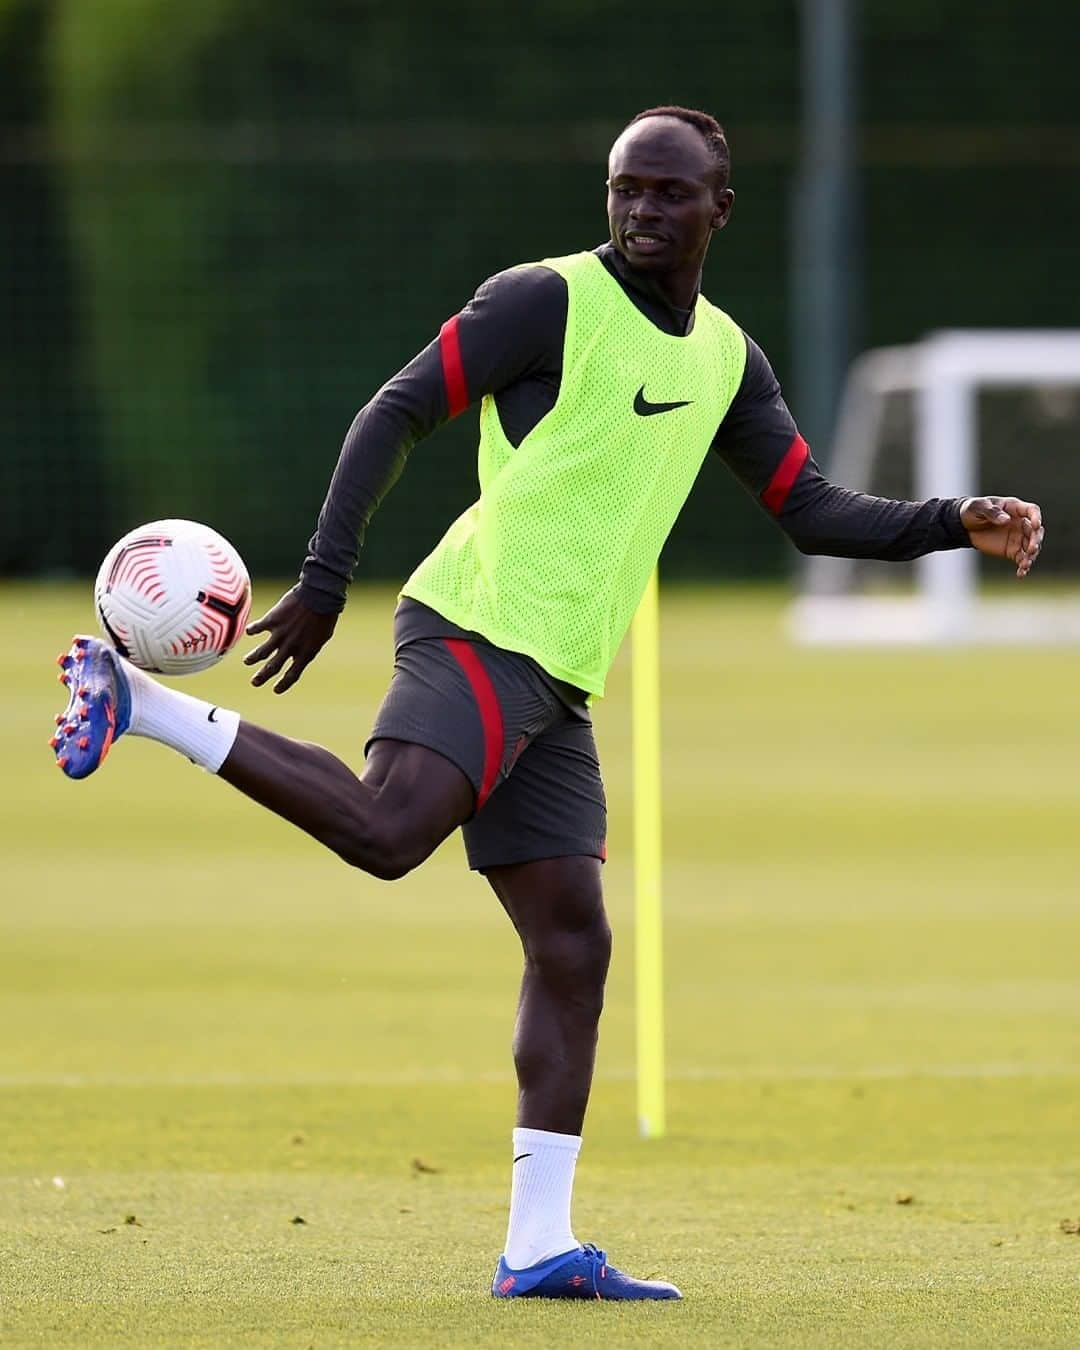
x=670 y=179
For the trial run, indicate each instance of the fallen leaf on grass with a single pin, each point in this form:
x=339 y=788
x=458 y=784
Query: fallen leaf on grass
x=130 y=1218
x=419 y=1165
x=905 y=1198
x=106 y=1230
x=1070 y=1226
x=297 y=1219
x=997 y=1242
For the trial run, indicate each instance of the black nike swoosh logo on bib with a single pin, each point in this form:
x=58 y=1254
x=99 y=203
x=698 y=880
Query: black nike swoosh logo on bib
x=644 y=408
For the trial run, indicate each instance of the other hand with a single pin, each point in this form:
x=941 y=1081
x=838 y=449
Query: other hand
x=1005 y=527
x=295 y=634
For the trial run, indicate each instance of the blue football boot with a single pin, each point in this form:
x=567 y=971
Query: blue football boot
x=98 y=710
x=583 y=1273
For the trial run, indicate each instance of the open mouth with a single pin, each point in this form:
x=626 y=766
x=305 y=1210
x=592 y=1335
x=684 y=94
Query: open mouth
x=644 y=239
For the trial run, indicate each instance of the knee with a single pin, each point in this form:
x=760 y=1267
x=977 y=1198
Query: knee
x=383 y=848
x=574 y=959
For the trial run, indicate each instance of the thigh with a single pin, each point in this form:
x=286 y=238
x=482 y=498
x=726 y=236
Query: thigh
x=551 y=806
x=551 y=895
x=423 y=792
x=474 y=704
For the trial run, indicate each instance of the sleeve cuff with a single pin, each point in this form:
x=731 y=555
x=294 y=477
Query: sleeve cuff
x=958 y=537
x=319 y=601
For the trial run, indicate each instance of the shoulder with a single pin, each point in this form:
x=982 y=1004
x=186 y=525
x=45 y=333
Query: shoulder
x=513 y=325
x=523 y=307
x=759 y=382
x=525 y=284
x=758 y=408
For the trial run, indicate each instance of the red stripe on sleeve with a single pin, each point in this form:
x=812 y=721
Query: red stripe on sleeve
x=783 y=480
x=457 y=397
x=487 y=701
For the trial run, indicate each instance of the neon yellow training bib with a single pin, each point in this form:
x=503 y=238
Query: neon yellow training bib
x=553 y=557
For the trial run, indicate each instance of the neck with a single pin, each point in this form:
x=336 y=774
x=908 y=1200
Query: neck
x=678 y=290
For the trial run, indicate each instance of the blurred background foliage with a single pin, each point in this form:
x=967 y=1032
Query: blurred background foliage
x=225 y=224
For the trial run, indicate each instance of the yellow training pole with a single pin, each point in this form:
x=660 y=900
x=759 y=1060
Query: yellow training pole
x=648 y=952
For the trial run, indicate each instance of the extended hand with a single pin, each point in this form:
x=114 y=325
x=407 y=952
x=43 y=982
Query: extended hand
x=296 y=634
x=1005 y=527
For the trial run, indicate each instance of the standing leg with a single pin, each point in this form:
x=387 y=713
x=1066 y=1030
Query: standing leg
x=557 y=907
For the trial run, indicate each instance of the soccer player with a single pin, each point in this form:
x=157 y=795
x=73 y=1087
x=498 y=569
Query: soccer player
x=605 y=378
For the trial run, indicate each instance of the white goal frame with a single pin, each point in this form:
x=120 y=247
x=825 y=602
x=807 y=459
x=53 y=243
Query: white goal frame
x=944 y=372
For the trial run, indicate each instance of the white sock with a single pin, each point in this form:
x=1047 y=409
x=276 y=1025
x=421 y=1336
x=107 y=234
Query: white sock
x=540 y=1197
x=202 y=731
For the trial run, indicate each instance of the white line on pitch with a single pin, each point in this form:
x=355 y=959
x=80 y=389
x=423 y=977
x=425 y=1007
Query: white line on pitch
x=422 y=1076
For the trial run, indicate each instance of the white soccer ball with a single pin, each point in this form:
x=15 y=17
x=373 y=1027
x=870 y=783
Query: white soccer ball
x=172 y=596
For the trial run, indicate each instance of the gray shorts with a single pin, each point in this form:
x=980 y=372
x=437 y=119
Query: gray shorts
x=523 y=740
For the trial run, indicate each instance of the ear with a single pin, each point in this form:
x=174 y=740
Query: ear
x=725 y=200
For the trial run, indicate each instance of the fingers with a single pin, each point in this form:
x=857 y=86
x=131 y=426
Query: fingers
x=272 y=667
x=1031 y=541
x=296 y=669
x=275 y=658
x=262 y=651
x=274 y=615
x=1030 y=533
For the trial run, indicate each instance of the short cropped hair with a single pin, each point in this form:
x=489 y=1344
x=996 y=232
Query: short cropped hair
x=710 y=130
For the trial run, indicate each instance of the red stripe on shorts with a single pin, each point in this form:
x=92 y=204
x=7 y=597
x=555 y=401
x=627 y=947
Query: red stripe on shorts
x=783 y=480
x=487 y=701
x=457 y=397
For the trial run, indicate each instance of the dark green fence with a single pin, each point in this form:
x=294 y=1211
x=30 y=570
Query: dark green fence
x=224 y=225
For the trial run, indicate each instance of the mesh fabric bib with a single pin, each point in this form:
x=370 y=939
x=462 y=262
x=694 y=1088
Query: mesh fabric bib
x=553 y=557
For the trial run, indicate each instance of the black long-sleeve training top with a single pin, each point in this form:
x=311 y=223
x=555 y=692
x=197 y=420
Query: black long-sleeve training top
x=508 y=342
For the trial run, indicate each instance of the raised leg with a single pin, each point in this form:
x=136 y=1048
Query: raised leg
x=407 y=801
x=385 y=822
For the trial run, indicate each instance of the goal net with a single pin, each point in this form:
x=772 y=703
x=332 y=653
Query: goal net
x=960 y=413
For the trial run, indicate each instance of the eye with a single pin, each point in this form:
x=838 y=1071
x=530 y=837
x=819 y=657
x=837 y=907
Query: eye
x=622 y=190
x=674 y=195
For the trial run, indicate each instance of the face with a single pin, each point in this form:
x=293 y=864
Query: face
x=663 y=199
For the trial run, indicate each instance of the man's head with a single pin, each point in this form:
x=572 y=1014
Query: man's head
x=668 y=188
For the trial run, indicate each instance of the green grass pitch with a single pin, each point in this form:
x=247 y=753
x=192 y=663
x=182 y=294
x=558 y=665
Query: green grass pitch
x=213 y=1030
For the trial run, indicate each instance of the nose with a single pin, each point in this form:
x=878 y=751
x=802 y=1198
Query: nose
x=644 y=208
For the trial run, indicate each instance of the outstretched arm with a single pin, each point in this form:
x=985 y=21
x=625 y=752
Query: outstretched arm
x=760 y=443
